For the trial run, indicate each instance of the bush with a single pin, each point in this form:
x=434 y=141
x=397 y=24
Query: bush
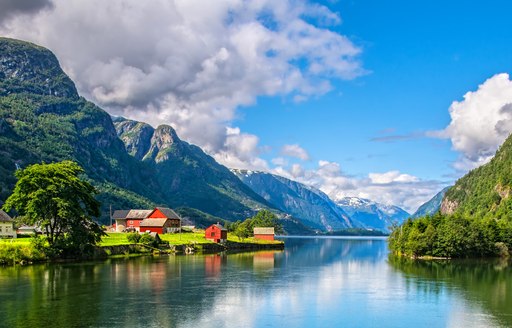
x=147 y=239
x=133 y=237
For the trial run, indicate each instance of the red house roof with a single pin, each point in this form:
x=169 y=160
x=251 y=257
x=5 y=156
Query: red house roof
x=167 y=212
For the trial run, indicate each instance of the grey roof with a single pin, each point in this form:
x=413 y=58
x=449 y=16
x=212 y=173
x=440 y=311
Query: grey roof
x=263 y=231
x=153 y=222
x=138 y=214
x=218 y=225
x=168 y=212
x=4 y=217
x=120 y=214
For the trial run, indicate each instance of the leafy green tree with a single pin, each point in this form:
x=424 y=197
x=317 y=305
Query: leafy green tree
x=55 y=198
x=265 y=218
x=244 y=229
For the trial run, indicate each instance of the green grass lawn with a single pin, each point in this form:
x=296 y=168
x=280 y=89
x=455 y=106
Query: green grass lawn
x=18 y=241
x=118 y=238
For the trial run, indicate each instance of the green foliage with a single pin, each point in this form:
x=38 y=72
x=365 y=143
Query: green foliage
x=147 y=239
x=263 y=218
x=486 y=192
x=53 y=197
x=452 y=236
x=133 y=237
x=14 y=253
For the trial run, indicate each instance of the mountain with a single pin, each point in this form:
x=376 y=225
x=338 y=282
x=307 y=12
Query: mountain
x=43 y=119
x=311 y=206
x=484 y=192
x=189 y=177
x=432 y=206
x=372 y=215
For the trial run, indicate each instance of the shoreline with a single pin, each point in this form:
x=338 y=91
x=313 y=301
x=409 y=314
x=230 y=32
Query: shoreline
x=23 y=254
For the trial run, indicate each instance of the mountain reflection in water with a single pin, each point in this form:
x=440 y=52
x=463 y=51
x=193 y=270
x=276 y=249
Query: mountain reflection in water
x=314 y=282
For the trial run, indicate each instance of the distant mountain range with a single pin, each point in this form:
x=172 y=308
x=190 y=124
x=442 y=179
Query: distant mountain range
x=372 y=215
x=315 y=209
x=311 y=206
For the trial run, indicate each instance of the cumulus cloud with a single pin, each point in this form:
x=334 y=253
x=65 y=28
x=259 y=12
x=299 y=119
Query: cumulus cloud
x=295 y=151
x=241 y=151
x=391 y=188
x=189 y=63
x=12 y=8
x=481 y=122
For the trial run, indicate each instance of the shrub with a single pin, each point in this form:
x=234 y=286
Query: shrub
x=147 y=239
x=133 y=237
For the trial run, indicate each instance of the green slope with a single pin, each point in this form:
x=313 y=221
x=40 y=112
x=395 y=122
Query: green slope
x=43 y=119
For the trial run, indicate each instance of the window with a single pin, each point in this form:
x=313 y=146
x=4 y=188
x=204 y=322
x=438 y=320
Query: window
x=212 y=234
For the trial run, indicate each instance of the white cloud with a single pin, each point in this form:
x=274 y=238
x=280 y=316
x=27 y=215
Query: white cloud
x=279 y=161
x=391 y=188
x=390 y=177
x=191 y=63
x=481 y=122
x=295 y=151
x=241 y=151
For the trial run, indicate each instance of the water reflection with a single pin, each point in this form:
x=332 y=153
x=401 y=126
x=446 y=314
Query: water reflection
x=483 y=283
x=314 y=282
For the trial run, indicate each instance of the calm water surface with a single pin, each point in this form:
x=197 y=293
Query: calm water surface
x=315 y=282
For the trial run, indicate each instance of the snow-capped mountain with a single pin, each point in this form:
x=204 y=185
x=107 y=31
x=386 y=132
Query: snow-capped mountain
x=372 y=215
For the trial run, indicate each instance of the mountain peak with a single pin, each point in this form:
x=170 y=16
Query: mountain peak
x=28 y=68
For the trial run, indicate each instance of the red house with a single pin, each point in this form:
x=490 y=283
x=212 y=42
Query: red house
x=174 y=221
x=217 y=233
x=264 y=233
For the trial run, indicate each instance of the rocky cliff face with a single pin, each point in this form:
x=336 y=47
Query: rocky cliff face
x=25 y=67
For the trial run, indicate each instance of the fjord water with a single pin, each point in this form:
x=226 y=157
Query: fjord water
x=315 y=282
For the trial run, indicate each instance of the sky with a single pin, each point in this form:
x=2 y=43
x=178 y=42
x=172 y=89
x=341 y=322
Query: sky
x=386 y=100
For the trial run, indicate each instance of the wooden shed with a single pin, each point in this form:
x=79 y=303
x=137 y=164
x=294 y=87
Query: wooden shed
x=217 y=233
x=264 y=233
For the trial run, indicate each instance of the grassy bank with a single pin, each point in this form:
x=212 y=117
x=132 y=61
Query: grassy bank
x=19 y=251
x=22 y=251
x=186 y=238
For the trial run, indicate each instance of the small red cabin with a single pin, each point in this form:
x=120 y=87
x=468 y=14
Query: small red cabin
x=217 y=233
x=264 y=233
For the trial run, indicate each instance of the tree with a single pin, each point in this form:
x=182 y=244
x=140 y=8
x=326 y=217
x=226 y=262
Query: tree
x=265 y=218
x=53 y=197
x=244 y=229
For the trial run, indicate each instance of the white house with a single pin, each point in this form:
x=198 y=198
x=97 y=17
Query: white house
x=6 y=226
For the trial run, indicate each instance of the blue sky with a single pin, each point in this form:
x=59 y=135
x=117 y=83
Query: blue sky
x=387 y=100
x=421 y=56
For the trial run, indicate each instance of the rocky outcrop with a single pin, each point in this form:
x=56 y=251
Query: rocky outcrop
x=25 y=67
x=448 y=206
